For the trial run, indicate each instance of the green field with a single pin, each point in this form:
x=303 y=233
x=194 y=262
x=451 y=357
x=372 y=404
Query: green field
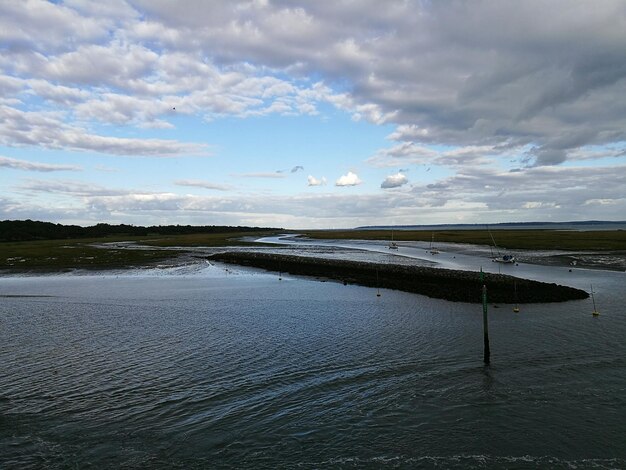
x=611 y=240
x=55 y=255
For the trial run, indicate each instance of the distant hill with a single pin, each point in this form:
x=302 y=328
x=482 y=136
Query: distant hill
x=577 y=225
x=26 y=230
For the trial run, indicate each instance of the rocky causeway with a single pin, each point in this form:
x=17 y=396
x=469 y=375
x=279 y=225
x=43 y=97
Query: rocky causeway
x=453 y=285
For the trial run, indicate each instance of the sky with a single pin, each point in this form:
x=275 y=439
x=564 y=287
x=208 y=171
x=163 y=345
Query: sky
x=312 y=114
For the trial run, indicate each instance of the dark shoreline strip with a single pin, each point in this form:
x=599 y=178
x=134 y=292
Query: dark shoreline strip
x=457 y=286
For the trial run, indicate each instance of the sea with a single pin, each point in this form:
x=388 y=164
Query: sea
x=203 y=365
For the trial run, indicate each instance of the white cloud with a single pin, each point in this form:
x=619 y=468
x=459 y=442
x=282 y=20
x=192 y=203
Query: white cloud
x=203 y=184
x=469 y=86
x=6 y=162
x=313 y=181
x=485 y=73
x=41 y=25
x=48 y=130
x=479 y=195
x=350 y=179
x=394 y=181
x=401 y=154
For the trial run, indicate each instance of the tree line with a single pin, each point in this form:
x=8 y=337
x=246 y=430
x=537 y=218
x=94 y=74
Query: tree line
x=27 y=230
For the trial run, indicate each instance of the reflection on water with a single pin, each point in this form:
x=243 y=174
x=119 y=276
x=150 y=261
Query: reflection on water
x=204 y=367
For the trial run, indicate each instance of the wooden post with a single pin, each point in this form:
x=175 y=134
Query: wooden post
x=487 y=352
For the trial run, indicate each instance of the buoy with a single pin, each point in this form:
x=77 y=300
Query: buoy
x=516 y=309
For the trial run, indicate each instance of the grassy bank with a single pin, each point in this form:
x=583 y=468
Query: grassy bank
x=59 y=255
x=610 y=240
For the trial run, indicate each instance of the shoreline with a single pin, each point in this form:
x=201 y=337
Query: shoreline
x=452 y=285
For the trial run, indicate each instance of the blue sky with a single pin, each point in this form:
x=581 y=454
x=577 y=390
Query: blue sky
x=312 y=114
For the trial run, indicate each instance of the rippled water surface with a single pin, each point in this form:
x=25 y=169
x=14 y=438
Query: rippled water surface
x=210 y=367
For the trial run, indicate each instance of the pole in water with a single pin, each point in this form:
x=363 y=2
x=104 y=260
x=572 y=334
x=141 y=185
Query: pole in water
x=377 y=284
x=595 y=312
x=487 y=352
x=516 y=308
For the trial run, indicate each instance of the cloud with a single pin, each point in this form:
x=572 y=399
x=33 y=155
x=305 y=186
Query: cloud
x=295 y=169
x=394 y=181
x=349 y=179
x=539 y=193
x=15 y=164
x=203 y=184
x=473 y=87
x=70 y=187
x=476 y=195
x=412 y=153
x=38 y=25
x=484 y=73
x=48 y=130
x=402 y=154
x=313 y=181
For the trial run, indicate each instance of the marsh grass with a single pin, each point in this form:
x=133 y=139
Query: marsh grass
x=102 y=253
x=514 y=239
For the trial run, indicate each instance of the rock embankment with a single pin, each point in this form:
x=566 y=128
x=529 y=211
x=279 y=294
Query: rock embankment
x=458 y=286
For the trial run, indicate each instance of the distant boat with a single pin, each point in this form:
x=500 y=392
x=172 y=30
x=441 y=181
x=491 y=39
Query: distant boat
x=500 y=258
x=595 y=312
x=392 y=244
x=433 y=249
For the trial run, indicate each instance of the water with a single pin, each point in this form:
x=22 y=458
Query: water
x=213 y=367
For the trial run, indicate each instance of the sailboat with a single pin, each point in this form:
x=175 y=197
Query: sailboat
x=595 y=312
x=392 y=244
x=506 y=259
x=433 y=250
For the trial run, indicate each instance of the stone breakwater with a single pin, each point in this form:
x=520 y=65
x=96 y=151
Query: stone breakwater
x=458 y=286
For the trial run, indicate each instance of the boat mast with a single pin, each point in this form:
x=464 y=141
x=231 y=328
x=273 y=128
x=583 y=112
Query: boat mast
x=494 y=242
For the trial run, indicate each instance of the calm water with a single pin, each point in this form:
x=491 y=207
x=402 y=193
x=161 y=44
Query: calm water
x=208 y=368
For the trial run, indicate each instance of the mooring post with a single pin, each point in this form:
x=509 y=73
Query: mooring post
x=487 y=352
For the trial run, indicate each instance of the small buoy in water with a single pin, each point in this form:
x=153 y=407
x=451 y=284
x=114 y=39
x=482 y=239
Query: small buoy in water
x=570 y=270
x=516 y=309
x=595 y=313
x=378 y=294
